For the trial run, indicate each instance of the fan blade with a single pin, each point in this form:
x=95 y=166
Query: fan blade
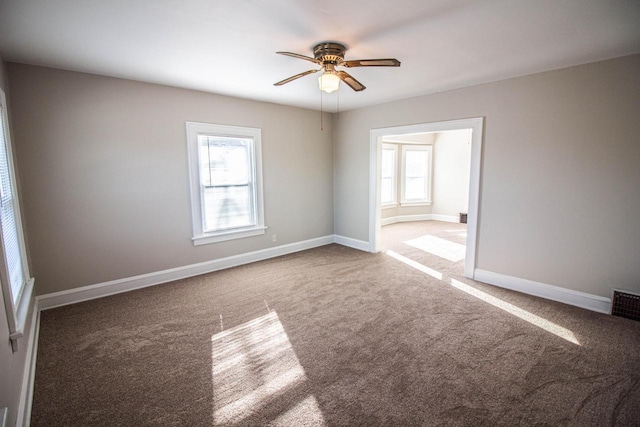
x=353 y=83
x=297 y=76
x=297 y=55
x=372 y=63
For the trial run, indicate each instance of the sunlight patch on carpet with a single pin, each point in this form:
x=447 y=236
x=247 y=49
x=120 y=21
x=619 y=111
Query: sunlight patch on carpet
x=254 y=370
x=518 y=312
x=446 y=249
x=411 y=263
x=307 y=411
x=496 y=302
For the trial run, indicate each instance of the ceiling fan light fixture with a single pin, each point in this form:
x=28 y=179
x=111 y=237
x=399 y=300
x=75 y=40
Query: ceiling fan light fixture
x=329 y=81
x=329 y=55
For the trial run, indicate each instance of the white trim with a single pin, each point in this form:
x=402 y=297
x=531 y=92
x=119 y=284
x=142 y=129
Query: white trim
x=413 y=204
x=445 y=218
x=543 y=290
x=21 y=313
x=16 y=306
x=375 y=176
x=387 y=221
x=29 y=375
x=473 y=210
x=406 y=218
x=228 y=235
x=375 y=144
x=420 y=217
x=352 y=243
x=99 y=290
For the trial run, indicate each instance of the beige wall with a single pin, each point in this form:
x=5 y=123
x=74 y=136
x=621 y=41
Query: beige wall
x=12 y=365
x=559 y=179
x=451 y=168
x=103 y=165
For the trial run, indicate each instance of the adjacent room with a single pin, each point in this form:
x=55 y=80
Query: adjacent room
x=319 y=213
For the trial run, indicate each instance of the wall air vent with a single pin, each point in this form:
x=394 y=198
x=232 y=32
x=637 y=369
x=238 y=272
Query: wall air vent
x=625 y=304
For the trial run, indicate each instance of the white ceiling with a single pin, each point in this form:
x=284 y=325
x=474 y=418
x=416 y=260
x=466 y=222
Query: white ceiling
x=228 y=46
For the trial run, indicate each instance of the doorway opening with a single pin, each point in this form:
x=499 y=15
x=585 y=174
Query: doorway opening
x=409 y=138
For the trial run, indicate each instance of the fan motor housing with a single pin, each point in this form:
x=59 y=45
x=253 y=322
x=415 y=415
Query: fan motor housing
x=328 y=52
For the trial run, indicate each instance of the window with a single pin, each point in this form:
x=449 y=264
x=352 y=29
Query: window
x=17 y=286
x=226 y=182
x=389 y=165
x=416 y=174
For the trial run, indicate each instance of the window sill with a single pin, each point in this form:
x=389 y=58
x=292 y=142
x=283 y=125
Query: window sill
x=389 y=206
x=21 y=315
x=408 y=204
x=228 y=235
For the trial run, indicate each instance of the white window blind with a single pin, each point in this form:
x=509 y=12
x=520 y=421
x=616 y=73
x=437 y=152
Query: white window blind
x=8 y=220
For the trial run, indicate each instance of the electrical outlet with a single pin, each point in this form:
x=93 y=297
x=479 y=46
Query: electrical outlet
x=273 y=238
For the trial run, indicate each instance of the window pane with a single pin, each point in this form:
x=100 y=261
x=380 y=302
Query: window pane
x=227 y=207
x=415 y=188
x=224 y=161
x=386 y=190
x=388 y=163
x=416 y=163
x=226 y=182
x=388 y=184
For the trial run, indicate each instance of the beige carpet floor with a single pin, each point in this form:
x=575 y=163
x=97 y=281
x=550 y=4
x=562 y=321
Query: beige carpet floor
x=336 y=336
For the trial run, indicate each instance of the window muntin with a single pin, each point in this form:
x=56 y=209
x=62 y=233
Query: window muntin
x=388 y=183
x=226 y=187
x=416 y=174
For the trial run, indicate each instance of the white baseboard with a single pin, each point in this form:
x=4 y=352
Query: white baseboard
x=421 y=217
x=113 y=287
x=85 y=293
x=555 y=293
x=445 y=218
x=405 y=218
x=390 y=220
x=352 y=243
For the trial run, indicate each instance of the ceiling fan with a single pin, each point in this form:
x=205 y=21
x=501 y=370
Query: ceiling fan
x=330 y=55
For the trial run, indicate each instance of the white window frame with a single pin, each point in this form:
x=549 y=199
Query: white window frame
x=17 y=306
x=426 y=201
x=394 y=178
x=200 y=237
